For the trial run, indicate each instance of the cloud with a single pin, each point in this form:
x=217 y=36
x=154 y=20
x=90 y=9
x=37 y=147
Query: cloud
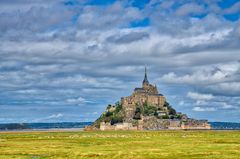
x=49 y=118
x=55 y=116
x=78 y=101
x=200 y=77
x=43 y=17
x=200 y=109
x=218 y=79
x=190 y=8
x=111 y=16
x=199 y=96
x=233 y=9
x=227 y=106
x=128 y=38
x=231 y=88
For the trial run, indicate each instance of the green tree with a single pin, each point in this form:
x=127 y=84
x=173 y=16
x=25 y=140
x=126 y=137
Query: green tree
x=137 y=114
x=118 y=107
x=171 y=111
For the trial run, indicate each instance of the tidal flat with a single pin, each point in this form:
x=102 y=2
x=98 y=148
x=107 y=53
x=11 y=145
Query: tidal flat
x=211 y=144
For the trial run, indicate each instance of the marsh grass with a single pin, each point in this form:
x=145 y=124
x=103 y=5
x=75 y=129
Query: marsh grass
x=121 y=144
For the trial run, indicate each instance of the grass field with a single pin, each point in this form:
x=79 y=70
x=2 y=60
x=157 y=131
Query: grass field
x=121 y=144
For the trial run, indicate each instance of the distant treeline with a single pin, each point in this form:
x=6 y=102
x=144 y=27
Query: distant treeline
x=21 y=126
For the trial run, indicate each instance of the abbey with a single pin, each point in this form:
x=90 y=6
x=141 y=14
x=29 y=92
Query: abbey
x=147 y=94
x=145 y=109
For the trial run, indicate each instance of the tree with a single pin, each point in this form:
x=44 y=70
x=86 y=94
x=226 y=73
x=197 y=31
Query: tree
x=171 y=111
x=118 y=106
x=165 y=117
x=109 y=114
x=137 y=114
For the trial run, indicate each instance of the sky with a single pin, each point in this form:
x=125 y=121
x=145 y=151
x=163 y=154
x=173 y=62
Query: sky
x=66 y=60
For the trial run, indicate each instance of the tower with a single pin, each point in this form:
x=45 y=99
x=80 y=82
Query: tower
x=145 y=80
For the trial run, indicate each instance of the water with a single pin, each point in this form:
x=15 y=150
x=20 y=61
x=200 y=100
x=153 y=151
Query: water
x=24 y=126
x=225 y=125
x=69 y=125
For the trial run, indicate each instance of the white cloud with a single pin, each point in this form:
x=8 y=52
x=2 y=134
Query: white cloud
x=227 y=106
x=49 y=118
x=230 y=88
x=222 y=78
x=201 y=109
x=199 y=96
x=198 y=77
x=201 y=102
x=55 y=116
x=181 y=103
x=78 y=100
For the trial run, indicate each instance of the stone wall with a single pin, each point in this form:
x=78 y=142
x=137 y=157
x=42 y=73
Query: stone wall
x=155 y=100
x=106 y=126
x=119 y=126
x=152 y=123
x=195 y=124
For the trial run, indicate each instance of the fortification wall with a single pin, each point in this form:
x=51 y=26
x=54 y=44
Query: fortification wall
x=161 y=100
x=153 y=100
x=156 y=100
x=120 y=126
x=152 y=123
x=195 y=124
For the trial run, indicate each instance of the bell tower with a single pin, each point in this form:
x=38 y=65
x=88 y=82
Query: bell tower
x=145 y=80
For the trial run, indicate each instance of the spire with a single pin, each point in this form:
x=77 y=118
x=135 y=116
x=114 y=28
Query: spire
x=145 y=81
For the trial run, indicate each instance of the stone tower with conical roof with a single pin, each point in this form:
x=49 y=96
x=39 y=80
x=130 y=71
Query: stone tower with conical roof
x=145 y=80
x=146 y=86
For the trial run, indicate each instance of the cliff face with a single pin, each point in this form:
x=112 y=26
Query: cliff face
x=145 y=109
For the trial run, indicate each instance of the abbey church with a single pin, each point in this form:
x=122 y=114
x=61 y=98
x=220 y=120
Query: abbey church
x=145 y=109
x=147 y=94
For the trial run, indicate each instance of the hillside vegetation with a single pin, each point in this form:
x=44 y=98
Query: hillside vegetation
x=115 y=114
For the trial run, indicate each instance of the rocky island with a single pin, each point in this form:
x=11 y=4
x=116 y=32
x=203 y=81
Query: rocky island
x=145 y=109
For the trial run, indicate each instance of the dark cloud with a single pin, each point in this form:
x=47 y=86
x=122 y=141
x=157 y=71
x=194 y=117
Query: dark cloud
x=128 y=38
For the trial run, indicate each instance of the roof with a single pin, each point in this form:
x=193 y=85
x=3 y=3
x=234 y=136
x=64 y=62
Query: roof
x=155 y=94
x=145 y=77
x=136 y=89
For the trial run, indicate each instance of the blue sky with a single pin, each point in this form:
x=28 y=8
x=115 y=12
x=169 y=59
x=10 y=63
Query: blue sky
x=66 y=60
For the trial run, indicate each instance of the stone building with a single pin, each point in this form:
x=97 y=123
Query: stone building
x=146 y=97
x=146 y=94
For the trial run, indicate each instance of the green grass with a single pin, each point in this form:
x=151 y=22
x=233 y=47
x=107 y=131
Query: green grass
x=122 y=144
